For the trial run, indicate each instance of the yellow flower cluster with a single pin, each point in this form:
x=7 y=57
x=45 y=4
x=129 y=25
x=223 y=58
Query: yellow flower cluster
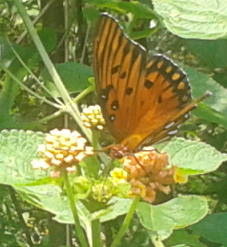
x=114 y=185
x=62 y=149
x=92 y=117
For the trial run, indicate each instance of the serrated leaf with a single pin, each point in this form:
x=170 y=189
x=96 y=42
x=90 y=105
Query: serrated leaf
x=194 y=19
x=174 y=214
x=18 y=149
x=213 y=228
x=193 y=155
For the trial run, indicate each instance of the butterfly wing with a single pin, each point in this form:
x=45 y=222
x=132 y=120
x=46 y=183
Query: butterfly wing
x=142 y=98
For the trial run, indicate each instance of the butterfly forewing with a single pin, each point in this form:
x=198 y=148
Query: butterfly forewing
x=143 y=98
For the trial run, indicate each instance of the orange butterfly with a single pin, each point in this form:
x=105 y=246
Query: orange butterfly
x=144 y=99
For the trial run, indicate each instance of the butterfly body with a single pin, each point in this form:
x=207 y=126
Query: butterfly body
x=144 y=98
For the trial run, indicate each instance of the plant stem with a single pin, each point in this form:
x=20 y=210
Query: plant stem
x=126 y=223
x=156 y=241
x=28 y=89
x=78 y=229
x=96 y=233
x=72 y=107
x=84 y=93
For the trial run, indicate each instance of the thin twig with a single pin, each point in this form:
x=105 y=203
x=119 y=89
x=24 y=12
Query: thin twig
x=85 y=44
x=31 y=73
x=42 y=12
x=29 y=90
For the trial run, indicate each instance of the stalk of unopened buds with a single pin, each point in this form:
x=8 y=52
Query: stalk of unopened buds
x=62 y=149
x=148 y=173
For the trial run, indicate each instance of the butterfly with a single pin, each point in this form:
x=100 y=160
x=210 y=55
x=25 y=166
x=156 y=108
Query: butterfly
x=143 y=98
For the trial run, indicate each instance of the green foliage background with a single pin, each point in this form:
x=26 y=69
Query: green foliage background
x=193 y=33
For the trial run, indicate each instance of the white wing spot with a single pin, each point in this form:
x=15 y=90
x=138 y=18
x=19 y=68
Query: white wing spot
x=172 y=132
x=169 y=125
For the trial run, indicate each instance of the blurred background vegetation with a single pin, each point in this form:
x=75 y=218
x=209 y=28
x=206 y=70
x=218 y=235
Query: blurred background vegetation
x=65 y=28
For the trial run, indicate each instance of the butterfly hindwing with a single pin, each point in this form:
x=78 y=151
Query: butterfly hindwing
x=142 y=98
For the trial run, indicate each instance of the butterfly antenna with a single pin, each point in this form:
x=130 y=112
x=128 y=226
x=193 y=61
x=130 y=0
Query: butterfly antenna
x=204 y=96
x=138 y=162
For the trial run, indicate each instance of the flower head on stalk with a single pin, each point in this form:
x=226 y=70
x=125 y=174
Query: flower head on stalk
x=62 y=149
x=92 y=117
x=148 y=173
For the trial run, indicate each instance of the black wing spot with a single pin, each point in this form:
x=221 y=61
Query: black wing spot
x=129 y=90
x=104 y=93
x=160 y=99
x=123 y=75
x=115 y=69
x=112 y=117
x=115 y=105
x=148 y=84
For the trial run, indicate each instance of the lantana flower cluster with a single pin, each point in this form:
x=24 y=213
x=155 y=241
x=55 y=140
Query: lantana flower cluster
x=92 y=117
x=148 y=173
x=62 y=149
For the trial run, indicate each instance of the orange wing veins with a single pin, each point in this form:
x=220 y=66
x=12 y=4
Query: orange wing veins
x=143 y=99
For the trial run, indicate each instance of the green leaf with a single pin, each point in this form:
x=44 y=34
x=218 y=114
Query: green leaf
x=184 y=238
x=201 y=82
x=211 y=53
x=74 y=75
x=49 y=38
x=138 y=9
x=91 y=13
x=196 y=156
x=174 y=214
x=181 y=245
x=213 y=228
x=116 y=207
x=205 y=112
x=18 y=149
x=215 y=107
x=51 y=199
x=194 y=19
x=6 y=54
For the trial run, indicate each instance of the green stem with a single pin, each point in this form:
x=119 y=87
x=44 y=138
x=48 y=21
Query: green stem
x=78 y=229
x=126 y=223
x=28 y=89
x=96 y=233
x=31 y=73
x=84 y=93
x=72 y=107
x=50 y=117
x=156 y=241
